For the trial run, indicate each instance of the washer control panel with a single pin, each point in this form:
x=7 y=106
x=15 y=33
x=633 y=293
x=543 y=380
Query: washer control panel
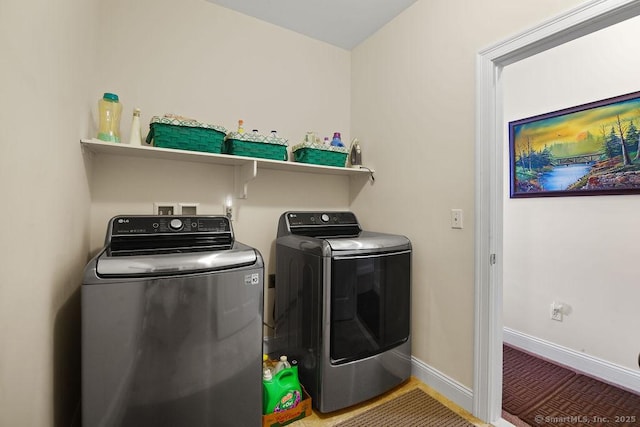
x=321 y=218
x=138 y=225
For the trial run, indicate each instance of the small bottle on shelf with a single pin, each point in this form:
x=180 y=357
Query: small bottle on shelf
x=336 y=141
x=135 y=137
x=310 y=137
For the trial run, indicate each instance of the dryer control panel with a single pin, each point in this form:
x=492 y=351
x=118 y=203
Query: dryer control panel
x=321 y=218
x=319 y=224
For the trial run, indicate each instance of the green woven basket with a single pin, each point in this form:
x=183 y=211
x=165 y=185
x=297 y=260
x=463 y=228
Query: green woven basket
x=186 y=135
x=255 y=145
x=320 y=154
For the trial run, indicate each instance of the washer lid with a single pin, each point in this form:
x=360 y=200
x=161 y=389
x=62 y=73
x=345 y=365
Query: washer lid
x=175 y=263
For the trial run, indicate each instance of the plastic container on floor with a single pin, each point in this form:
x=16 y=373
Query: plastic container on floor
x=282 y=392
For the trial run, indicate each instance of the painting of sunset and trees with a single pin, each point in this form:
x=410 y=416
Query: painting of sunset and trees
x=585 y=150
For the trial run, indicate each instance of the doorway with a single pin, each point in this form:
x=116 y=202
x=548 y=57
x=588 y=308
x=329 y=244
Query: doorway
x=585 y=19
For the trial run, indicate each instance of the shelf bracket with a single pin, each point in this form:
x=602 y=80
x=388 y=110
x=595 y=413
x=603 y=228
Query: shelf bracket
x=242 y=174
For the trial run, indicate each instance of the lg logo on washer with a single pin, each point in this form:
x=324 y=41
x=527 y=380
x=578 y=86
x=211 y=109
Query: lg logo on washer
x=252 y=279
x=123 y=221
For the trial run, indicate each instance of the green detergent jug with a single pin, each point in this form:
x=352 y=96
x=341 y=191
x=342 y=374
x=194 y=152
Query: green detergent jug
x=282 y=391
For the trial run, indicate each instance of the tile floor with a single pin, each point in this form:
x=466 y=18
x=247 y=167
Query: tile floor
x=326 y=420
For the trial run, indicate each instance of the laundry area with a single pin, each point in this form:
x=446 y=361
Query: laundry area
x=172 y=321
x=182 y=323
x=264 y=193
x=178 y=327
x=231 y=284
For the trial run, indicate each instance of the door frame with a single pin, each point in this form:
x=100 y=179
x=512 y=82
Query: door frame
x=587 y=18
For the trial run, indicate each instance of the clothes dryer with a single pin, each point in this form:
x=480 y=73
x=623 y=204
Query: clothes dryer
x=342 y=306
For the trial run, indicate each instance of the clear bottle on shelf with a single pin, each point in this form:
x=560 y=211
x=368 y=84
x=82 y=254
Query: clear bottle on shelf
x=109 y=110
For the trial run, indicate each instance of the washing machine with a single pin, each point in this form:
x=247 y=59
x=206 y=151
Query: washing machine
x=172 y=325
x=342 y=306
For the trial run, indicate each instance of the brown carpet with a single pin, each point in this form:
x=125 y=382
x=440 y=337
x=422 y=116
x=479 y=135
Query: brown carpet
x=525 y=378
x=412 y=409
x=542 y=393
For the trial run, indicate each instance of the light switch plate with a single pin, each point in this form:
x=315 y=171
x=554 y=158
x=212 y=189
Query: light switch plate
x=457 y=219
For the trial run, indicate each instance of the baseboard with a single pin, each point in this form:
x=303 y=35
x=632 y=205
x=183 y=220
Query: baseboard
x=448 y=387
x=601 y=369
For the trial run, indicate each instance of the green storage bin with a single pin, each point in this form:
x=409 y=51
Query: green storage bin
x=255 y=145
x=320 y=154
x=185 y=134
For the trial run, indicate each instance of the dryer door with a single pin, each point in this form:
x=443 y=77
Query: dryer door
x=370 y=304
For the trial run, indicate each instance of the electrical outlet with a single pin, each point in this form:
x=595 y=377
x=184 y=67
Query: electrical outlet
x=556 y=311
x=165 y=208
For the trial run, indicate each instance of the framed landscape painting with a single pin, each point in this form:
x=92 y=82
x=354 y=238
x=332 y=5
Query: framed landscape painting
x=586 y=150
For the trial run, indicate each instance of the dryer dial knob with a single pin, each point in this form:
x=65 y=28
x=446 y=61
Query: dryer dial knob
x=324 y=218
x=175 y=224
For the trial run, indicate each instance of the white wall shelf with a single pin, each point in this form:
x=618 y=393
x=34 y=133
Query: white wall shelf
x=245 y=168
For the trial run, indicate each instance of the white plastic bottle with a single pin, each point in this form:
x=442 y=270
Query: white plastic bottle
x=266 y=374
x=282 y=364
x=267 y=368
x=135 y=138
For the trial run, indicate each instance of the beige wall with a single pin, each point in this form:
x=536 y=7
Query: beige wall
x=413 y=100
x=574 y=250
x=47 y=54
